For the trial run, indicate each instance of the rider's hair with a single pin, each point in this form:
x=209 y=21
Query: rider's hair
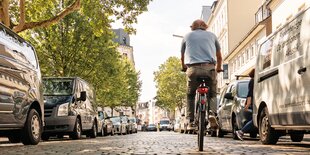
x=199 y=24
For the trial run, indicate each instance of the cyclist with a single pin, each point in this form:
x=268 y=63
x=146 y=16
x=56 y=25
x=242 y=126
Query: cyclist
x=200 y=54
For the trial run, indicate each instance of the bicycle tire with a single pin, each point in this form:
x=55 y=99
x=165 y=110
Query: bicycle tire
x=201 y=129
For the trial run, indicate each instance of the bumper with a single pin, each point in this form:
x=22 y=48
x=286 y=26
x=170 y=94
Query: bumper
x=59 y=124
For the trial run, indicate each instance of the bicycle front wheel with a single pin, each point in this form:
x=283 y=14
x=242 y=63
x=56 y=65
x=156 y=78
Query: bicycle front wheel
x=201 y=129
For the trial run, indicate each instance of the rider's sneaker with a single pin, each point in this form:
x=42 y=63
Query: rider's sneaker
x=213 y=122
x=239 y=134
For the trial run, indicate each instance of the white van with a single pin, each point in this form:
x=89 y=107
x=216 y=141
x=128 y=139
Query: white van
x=282 y=82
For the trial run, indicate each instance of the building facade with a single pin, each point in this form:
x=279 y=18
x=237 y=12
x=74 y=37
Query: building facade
x=123 y=39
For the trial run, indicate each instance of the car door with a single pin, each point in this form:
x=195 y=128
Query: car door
x=293 y=77
x=221 y=106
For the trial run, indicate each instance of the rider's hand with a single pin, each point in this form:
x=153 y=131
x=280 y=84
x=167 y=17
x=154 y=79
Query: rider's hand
x=219 y=69
x=184 y=68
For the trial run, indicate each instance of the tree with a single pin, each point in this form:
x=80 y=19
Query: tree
x=72 y=49
x=20 y=15
x=171 y=85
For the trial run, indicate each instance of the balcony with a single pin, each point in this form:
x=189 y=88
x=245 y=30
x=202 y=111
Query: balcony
x=262 y=14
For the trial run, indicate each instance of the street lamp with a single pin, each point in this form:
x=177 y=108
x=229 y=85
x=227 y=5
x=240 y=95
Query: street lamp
x=178 y=36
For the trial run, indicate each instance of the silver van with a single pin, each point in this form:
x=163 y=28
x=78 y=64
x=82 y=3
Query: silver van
x=282 y=82
x=21 y=101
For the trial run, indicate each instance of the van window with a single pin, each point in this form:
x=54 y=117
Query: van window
x=25 y=51
x=243 y=89
x=265 y=54
x=58 y=86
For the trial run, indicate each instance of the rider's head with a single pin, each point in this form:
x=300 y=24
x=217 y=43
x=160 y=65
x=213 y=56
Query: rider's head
x=199 y=24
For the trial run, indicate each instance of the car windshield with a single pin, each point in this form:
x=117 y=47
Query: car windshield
x=152 y=125
x=133 y=120
x=243 y=89
x=115 y=119
x=164 y=122
x=58 y=86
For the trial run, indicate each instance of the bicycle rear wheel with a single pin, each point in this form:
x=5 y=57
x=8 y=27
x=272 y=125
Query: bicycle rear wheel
x=201 y=129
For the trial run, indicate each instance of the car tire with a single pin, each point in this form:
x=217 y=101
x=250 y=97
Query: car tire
x=266 y=133
x=31 y=134
x=102 y=133
x=112 y=132
x=77 y=131
x=93 y=132
x=234 y=127
x=297 y=137
x=220 y=132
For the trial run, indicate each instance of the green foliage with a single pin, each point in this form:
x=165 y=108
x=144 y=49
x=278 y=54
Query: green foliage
x=99 y=13
x=171 y=85
x=71 y=48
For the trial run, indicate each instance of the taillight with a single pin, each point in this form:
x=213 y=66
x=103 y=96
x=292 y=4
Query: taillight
x=203 y=90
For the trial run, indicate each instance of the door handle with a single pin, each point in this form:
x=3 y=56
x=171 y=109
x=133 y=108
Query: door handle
x=301 y=70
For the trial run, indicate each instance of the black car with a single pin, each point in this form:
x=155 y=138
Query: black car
x=231 y=115
x=70 y=108
x=21 y=100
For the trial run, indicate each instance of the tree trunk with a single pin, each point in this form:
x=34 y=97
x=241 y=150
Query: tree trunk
x=4 y=12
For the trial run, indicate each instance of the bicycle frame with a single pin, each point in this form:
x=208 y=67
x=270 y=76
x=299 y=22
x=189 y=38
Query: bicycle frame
x=202 y=110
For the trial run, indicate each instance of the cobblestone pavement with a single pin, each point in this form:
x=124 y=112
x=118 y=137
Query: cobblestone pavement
x=155 y=143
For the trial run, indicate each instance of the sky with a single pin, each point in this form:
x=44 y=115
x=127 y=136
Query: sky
x=154 y=43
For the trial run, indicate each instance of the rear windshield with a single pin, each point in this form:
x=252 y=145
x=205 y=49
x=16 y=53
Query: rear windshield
x=58 y=86
x=243 y=89
x=164 y=122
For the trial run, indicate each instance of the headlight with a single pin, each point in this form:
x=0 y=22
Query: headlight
x=63 y=110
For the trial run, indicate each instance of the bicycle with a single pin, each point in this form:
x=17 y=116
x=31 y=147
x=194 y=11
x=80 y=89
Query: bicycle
x=202 y=101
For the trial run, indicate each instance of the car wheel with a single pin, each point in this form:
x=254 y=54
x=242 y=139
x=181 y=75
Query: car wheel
x=93 y=131
x=112 y=132
x=234 y=127
x=297 y=137
x=266 y=133
x=77 y=131
x=33 y=128
x=220 y=132
x=102 y=131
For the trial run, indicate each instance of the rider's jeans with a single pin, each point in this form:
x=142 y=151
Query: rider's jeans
x=193 y=73
x=248 y=127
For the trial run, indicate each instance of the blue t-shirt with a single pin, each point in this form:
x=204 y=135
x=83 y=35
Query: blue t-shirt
x=200 y=46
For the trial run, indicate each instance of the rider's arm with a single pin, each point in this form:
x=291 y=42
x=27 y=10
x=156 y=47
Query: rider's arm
x=218 y=61
x=218 y=56
x=184 y=67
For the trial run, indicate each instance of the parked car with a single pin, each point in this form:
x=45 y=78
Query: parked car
x=105 y=125
x=119 y=127
x=21 y=100
x=151 y=127
x=126 y=121
x=282 y=82
x=70 y=108
x=176 y=126
x=231 y=115
x=133 y=122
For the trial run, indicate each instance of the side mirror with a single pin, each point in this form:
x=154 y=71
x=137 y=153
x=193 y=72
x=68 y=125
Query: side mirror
x=83 y=96
x=228 y=96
